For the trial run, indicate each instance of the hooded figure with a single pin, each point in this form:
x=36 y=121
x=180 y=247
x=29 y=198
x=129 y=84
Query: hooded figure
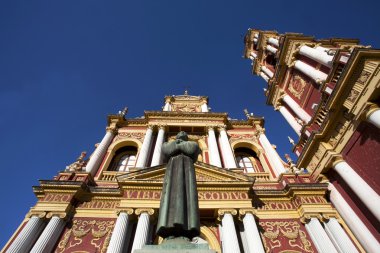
x=179 y=212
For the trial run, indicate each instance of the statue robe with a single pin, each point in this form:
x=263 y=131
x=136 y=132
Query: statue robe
x=179 y=212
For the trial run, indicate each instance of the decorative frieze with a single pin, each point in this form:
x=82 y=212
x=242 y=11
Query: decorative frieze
x=92 y=234
x=285 y=235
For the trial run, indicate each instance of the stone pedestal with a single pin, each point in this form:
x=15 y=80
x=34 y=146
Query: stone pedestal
x=178 y=244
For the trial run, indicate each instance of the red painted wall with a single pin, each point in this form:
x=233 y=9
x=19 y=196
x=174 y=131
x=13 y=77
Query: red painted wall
x=362 y=153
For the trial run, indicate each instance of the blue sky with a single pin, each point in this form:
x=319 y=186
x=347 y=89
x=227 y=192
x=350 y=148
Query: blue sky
x=65 y=65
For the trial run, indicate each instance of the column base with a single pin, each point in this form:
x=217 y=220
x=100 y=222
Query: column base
x=176 y=244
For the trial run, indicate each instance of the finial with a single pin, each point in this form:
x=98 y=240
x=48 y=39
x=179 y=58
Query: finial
x=246 y=113
x=292 y=166
x=123 y=112
x=291 y=141
x=287 y=157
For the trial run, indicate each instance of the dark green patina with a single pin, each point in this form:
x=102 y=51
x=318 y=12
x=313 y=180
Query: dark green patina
x=179 y=212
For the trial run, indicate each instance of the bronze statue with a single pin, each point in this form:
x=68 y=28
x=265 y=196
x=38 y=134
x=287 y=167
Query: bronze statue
x=179 y=212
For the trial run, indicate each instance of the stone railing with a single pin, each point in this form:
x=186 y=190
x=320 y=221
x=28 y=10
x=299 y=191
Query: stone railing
x=110 y=175
x=260 y=176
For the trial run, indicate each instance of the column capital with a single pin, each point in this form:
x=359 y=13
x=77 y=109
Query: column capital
x=128 y=211
x=336 y=159
x=150 y=211
x=61 y=215
x=111 y=129
x=260 y=131
x=244 y=211
x=162 y=126
x=222 y=212
x=211 y=127
x=305 y=218
x=39 y=214
x=221 y=127
x=327 y=216
x=168 y=99
x=150 y=126
x=370 y=108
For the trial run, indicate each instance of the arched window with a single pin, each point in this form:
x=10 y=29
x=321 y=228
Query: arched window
x=124 y=159
x=125 y=162
x=246 y=163
x=248 y=160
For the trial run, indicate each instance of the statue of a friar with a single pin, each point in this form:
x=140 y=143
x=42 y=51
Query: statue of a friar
x=179 y=212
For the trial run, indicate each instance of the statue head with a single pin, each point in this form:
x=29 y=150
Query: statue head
x=182 y=136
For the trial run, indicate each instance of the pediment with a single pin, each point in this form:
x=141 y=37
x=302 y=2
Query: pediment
x=205 y=173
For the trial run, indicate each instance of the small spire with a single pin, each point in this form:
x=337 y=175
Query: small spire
x=291 y=141
x=123 y=112
x=187 y=90
x=247 y=113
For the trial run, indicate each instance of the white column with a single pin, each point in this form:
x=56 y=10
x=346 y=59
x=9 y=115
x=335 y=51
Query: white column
x=374 y=117
x=157 y=154
x=365 y=193
x=213 y=151
x=204 y=107
x=319 y=237
x=316 y=75
x=297 y=108
x=49 y=236
x=272 y=155
x=290 y=119
x=252 y=234
x=264 y=76
x=29 y=233
x=119 y=234
x=338 y=237
x=273 y=41
x=360 y=230
x=144 y=152
x=98 y=155
x=228 y=155
x=271 y=49
x=230 y=241
x=317 y=55
x=142 y=231
x=267 y=71
x=167 y=107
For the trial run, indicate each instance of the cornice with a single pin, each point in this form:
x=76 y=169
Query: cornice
x=153 y=114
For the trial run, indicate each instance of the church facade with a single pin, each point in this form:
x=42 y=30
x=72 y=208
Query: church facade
x=328 y=91
x=250 y=200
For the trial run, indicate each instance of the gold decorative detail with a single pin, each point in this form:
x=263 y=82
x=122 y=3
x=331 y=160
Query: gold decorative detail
x=291 y=230
x=39 y=214
x=128 y=211
x=297 y=86
x=81 y=229
x=150 y=211
x=244 y=211
x=364 y=77
x=353 y=95
x=111 y=129
x=79 y=164
x=133 y=135
x=222 y=212
x=186 y=107
x=242 y=136
x=62 y=215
